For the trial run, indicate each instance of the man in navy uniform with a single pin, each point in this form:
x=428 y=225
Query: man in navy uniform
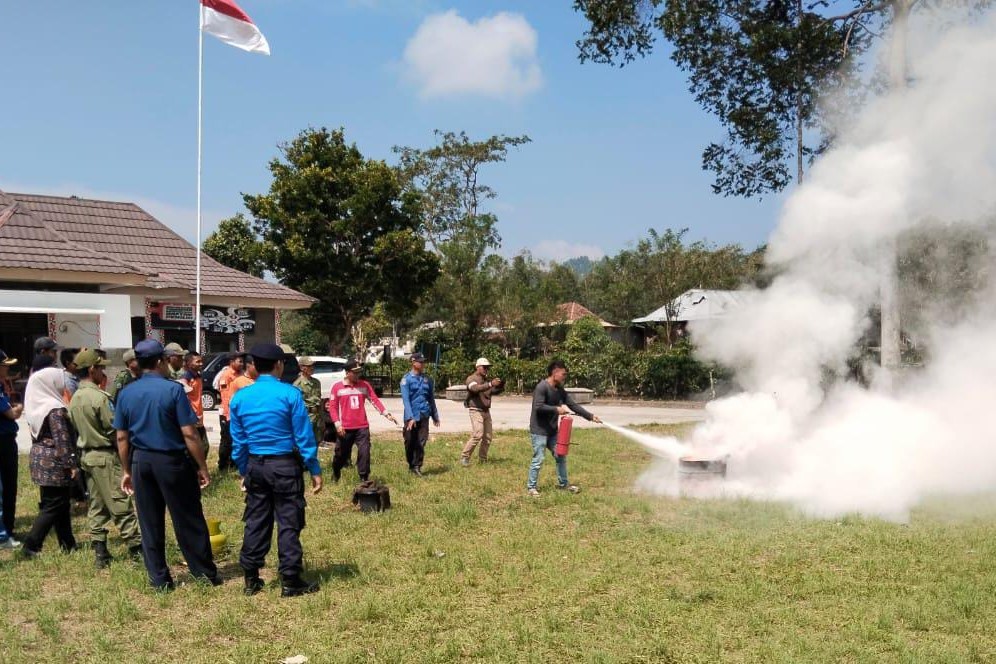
x=272 y=443
x=163 y=465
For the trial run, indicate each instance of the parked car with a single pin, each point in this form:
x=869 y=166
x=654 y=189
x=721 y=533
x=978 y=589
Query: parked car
x=330 y=370
x=215 y=362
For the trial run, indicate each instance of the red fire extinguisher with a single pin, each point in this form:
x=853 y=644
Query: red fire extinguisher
x=564 y=435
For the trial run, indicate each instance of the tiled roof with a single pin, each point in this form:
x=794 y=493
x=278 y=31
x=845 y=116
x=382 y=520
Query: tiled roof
x=26 y=241
x=125 y=234
x=572 y=312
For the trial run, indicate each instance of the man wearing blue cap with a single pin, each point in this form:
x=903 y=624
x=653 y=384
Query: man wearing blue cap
x=272 y=443
x=163 y=465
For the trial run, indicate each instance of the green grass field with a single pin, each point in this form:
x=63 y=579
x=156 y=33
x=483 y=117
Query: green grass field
x=466 y=566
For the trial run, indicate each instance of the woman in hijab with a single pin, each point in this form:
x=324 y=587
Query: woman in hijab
x=53 y=463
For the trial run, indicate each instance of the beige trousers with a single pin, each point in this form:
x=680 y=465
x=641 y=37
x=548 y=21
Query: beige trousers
x=480 y=423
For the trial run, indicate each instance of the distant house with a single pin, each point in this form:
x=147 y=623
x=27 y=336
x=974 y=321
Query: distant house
x=569 y=313
x=694 y=305
x=106 y=274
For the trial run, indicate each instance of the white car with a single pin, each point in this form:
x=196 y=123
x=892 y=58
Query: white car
x=329 y=371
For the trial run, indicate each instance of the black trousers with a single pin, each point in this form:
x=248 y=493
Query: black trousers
x=344 y=451
x=8 y=477
x=164 y=481
x=415 y=440
x=274 y=491
x=225 y=446
x=53 y=512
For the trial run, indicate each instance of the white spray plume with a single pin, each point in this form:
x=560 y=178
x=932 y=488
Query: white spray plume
x=928 y=154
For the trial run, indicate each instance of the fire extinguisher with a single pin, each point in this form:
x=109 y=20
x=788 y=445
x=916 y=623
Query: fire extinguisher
x=564 y=435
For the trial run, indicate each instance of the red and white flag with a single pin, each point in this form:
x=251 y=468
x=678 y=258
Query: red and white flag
x=225 y=20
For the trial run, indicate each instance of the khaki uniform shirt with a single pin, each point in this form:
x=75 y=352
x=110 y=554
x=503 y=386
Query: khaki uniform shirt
x=92 y=417
x=174 y=374
x=311 y=389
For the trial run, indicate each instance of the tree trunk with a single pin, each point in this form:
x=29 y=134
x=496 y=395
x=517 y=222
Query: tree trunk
x=889 y=286
x=798 y=103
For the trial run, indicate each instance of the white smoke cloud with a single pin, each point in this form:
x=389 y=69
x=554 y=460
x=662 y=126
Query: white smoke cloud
x=928 y=154
x=494 y=56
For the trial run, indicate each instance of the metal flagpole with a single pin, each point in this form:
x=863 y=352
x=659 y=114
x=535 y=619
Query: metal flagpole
x=200 y=92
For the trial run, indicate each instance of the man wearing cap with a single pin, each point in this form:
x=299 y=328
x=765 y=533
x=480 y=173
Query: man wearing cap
x=93 y=418
x=193 y=385
x=272 y=444
x=163 y=465
x=46 y=353
x=224 y=380
x=347 y=407
x=311 y=390
x=418 y=396
x=8 y=447
x=174 y=360
x=480 y=389
x=129 y=375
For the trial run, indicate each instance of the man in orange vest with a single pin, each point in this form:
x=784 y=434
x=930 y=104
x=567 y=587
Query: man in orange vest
x=225 y=383
x=193 y=385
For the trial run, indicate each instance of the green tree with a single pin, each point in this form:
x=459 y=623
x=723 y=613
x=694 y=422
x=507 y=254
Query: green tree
x=339 y=227
x=757 y=65
x=447 y=180
x=659 y=269
x=236 y=245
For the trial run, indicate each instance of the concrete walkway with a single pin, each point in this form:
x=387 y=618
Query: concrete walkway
x=506 y=413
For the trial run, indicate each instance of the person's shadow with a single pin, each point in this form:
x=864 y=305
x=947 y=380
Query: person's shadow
x=336 y=570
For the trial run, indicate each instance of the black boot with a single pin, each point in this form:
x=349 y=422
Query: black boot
x=102 y=557
x=293 y=586
x=135 y=552
x=253 y=583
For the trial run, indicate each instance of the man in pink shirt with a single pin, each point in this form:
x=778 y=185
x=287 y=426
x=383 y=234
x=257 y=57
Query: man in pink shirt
x=347 y=407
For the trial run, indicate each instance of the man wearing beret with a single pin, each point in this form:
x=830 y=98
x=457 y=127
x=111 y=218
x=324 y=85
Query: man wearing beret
x=163 y=465
x=93 y=418
x=46 y=353
x=272 y=444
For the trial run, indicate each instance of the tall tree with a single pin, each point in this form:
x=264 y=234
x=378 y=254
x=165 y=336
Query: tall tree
x=235 y=244
x=339 y=227
x=447 y=180
x=757 y=65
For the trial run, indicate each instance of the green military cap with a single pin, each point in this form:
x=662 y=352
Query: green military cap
x=174 y=349
x=306 y=361
x=88 y=357
x=128 y=356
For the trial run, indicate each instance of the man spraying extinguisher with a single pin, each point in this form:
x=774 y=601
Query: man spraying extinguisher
x=550 y=402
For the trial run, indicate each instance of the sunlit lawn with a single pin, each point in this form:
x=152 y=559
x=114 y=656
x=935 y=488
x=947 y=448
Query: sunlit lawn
x=466 y=566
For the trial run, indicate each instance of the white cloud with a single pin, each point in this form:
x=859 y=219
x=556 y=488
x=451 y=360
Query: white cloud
x=181 y=220
x=562 y=250
x=494 y=56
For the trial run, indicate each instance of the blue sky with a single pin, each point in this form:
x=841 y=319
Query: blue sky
x=101 y=102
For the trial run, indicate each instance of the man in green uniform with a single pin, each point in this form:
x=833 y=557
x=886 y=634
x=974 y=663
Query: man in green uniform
x=92 y=417
x=131 y=373
x=174 y=361
x=311 y=389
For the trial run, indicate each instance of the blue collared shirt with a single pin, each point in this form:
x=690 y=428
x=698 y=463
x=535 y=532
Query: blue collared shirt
x=269 y=417
x=152 y=410
x=7 y=425
x=417 y=393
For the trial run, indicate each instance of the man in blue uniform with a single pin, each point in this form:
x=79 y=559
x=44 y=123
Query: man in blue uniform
x=272 y=443
x=163 y=465
x=418 y=396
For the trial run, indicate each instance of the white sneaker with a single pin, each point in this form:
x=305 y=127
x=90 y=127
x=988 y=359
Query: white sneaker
x=534 y=493
x=10 y=543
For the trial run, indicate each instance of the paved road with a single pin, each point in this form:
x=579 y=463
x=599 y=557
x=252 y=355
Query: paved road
x=506 y=412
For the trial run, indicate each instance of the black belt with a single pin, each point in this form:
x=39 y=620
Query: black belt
x=273 y=457
x=98 y=449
